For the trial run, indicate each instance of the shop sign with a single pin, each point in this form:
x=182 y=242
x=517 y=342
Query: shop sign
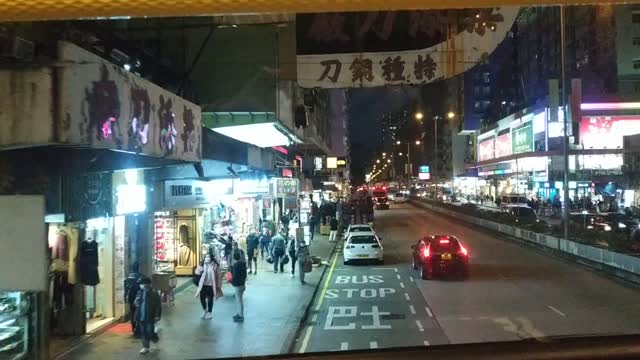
x=318 y=163
x=332 y=162
x=424 y=176
x=251 y=186
x=522 y=138
x=131 y=196
x=486 y=149
x=184 y=194
x=424 y=169
x=107 y=107
x=285 y=187
x=342 y=161
x=287 y=173
x=607 y=132
x=503 y=145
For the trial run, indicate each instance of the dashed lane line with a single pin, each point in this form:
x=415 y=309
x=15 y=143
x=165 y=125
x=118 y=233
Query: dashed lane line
x=305 y=341
x=426 y=343
x=411 y=278
x=344 y=346
x=557 y=311
x=412 y=309
x=402 y=285
x=428 y=311
x=398 y=276
x=420 y=327
x=406 y=296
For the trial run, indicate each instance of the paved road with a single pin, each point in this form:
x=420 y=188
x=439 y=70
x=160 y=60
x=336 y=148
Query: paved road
x=514 y=292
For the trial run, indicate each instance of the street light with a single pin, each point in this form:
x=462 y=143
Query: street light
x=398 y=142
x=419 y=115
x=388 y=160
x=400 y=154
x=417 y=142
x=378 y=161
x=451 y=115
x=384 y=154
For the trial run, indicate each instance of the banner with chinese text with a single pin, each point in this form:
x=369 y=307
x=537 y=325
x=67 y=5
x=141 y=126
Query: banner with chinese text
x=339 y=50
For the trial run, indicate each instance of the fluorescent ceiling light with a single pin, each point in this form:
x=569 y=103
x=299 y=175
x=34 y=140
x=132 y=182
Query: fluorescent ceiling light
x=262 y=135
x=610 y=106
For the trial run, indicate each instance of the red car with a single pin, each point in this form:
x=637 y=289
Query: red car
x=440 y=255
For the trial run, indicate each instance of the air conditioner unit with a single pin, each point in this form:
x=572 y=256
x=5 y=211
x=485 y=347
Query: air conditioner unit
x=17 y=48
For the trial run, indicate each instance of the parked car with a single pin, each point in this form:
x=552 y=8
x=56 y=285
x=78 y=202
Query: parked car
x=363 y=246
x=523 y=213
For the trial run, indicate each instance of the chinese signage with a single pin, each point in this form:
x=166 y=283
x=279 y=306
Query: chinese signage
x=424 y=176
x=522 y=138
x=607 y=132
x=105 y=106
x=503 y=145
x=184 y=194
x=286 y=187
x=408 y=47
x=486 y=149
x=424 y=169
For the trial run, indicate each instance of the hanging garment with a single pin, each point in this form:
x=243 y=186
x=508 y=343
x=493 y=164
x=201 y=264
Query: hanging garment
x=60 y=249
x=88 y=263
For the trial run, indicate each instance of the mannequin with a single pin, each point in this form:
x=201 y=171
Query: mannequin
x=186 y=257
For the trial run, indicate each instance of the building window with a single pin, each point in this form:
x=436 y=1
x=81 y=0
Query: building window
x=636 y=41
x=635 y=17
x=636 y=63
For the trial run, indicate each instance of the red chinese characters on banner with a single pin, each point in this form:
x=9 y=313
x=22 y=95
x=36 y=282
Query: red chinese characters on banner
x=503 y=145
x=486 y=149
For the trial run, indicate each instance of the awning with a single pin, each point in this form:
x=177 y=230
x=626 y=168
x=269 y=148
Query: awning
x=261 y=129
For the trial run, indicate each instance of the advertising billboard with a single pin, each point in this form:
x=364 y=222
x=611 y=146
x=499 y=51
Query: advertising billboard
x=503 y=145
x=522 y=138
x=607 y=132
x=486 y=149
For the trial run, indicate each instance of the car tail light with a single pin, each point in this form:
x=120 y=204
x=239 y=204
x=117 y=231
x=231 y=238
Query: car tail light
x=426 y=252
x=463 y=250
x=444 y=241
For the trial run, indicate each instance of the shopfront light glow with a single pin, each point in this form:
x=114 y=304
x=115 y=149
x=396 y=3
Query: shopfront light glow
x=262 y=135
x=610 y=106
x=131 y=199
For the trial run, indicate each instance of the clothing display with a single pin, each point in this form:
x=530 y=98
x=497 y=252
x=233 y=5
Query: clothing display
x=14 y=325
x=88 y=263
x=60 y=249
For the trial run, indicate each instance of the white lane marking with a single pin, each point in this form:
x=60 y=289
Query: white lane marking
x=406 y=296
x=379 y=268
x=314 y=318
x=426 y=343
x=557 y=311
x=428 y=311
x=344 y=346
x=305 y=341
x=420 y=327
x=411 y=278
x=412 y=309
x=395 y=269
x=373 y=345
x=402 y=285
x=398 y=276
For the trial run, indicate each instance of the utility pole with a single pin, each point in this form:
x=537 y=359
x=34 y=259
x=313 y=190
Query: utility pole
x=565 y=143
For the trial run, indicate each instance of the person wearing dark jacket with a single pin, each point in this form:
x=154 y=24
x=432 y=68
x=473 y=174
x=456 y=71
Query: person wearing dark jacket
x=148 y=312
x=253 y=243
x=238 y=278
x=292 y=255
x=278 y=247
x=333 y=235
x=132 y=287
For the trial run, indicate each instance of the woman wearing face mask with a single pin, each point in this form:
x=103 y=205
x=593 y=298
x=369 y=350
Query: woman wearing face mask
x=207 y=284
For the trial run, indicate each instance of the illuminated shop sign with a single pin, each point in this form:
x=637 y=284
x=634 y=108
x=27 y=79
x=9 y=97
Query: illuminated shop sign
x=424 y=169
x=132 y=196
x=332 y=163
x=185 y=194
x=522 y=138
x=486 y=149
x=252 y=186
x=503 y=145
x=607 y=132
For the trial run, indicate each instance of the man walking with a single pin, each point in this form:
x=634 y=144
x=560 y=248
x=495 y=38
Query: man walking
x=149 y=310
x=253 y=242
x=333 y=223
x=238 y=278
x=278 y=246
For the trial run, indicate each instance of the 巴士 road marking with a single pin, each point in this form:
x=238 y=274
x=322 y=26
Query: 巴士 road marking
x=373 y=345
x=420 y=327
x=557 y=311
x=402 y=285
x=344 y=346
x=426 y=343
x=406 y=296
x=410 y=278
x=428 y=311
x=412 y=309
x=305 y=340
x=398 y=276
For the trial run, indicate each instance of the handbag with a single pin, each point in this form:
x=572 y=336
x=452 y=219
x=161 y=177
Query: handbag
x=285 y=260
x=195 y=277
x=228 y=276
x=270 y=259
x=306 y=266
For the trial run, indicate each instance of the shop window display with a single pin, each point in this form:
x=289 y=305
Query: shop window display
x=16 y=324
x=176 y=242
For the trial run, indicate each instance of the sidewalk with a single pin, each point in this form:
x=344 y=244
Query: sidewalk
x=274 y=306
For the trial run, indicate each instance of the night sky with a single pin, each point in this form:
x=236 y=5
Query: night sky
x=367 y=107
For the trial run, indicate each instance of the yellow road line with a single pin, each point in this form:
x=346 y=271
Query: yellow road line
x=305 y=341
x=326 y=283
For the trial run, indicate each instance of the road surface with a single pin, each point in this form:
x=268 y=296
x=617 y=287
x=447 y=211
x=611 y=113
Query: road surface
x=514 y=292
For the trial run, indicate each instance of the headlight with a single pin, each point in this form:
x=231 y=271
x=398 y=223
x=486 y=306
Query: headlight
x=622 y=225
x=607 y=228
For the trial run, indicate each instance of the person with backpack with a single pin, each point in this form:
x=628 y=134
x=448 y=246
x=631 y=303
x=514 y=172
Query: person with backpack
x=148 y=311
x=278 y=246
x=207 y=284
x=253 y=243
x=132 y=287
x=238 y=279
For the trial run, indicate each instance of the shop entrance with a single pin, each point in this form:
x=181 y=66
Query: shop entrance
x=176 y=242
x=99 y=307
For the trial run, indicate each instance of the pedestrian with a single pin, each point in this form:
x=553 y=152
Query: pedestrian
x=208 y=284
x=278 y=246
x=238 y=278
x=333 y=223
x=303 y=255
x=253 y=242
x=132 y=287
x=265 y=242
x=235 y=248
x=292 y=256
x=284 y=219
x=148 y=312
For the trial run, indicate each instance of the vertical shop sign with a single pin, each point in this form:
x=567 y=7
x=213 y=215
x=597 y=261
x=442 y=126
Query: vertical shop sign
x=522 y=138
x=119 y=270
